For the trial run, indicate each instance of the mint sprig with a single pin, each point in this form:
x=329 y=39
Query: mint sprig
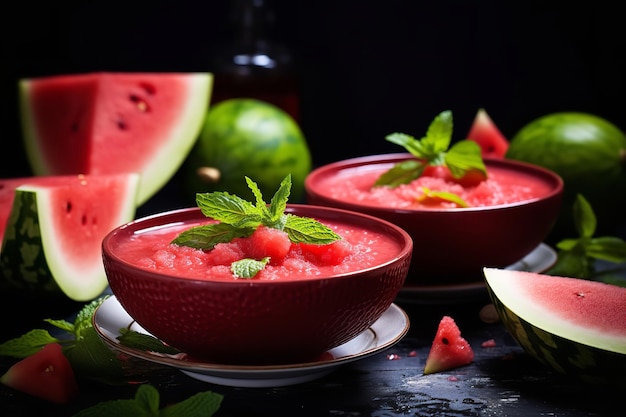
x=147 y=402
x=577 y=256
x=433 y=149
x=240 y=218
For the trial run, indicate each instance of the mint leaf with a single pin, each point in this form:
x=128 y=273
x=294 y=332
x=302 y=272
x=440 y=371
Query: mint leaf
x=260 y=203
x=443 y=195
x=577 y=256
x=307 y=230
x=202 y=404
x=146 y=404
x=92 y=359
x=240 y=218
x=229 y=209
x=584 y=218
x=89 y=357
x=142 y=341
x=464 y=156
x=27 y=344
x=248 y=268
x=278 y=204
x=607 y=248
x=402 y=173
x=205 y=237
x=433 y=149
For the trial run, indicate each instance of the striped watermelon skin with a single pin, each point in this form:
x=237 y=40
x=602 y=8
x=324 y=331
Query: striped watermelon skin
x=248 y=137
x=585 y=363
x=23 y=243
x=52 y=237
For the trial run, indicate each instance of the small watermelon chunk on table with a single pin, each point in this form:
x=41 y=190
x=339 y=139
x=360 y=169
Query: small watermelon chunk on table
x=52 y=229
x=111 y=123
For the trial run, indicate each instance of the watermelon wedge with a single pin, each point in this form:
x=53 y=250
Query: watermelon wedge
x=575 y=326
x=490 y=139
x=53 y=232
x=46 y=374
x=449 y=349
x=113 y=123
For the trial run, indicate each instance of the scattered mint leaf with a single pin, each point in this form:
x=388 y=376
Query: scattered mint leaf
x=577 y=256
x=142 y=341
x=202 y=404
x=89 y=357
x=240 y=218
x=146 y=404
x=433 y=149
x=248 y=268
x=27 y=344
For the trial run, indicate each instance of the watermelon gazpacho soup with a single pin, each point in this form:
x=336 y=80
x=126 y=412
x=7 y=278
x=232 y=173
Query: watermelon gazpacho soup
x=435 y=175
x=502 y=186
x=270 y=283
x=463 y=211
x=358 y=249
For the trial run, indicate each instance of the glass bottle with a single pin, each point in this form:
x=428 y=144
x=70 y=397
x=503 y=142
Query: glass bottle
x=255 y=63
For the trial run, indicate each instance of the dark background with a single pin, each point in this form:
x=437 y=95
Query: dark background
x=365 y=68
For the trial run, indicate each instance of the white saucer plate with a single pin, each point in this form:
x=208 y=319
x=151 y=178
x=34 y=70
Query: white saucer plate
x=388 y=330
x=538 y=260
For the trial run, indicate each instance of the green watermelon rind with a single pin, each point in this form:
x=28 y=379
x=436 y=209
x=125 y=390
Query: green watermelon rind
x=186 y=130
x=166 y=160
x=583 y=361
x=31 y=257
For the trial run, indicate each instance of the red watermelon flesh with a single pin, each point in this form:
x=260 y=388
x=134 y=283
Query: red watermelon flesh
x=112 y=123
x=46 y=374
x=589 y=312
x=449 y=349
x=53 y=229
x=7 y=193
x=490 y=139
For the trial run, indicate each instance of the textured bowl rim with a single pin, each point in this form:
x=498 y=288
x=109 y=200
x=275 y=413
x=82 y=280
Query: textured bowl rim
x=550 y=177
x=169 y=217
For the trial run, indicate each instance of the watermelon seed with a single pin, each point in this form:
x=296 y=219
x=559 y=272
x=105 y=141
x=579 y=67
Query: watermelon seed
x=68 y=207
x=445 y=341
x=122 y=124
x=142 y=105
x=148 y=88
x=84 y=220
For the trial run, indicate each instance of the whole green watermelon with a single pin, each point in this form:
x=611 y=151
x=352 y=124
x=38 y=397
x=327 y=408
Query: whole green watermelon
x=247 y=137
x=589 y=153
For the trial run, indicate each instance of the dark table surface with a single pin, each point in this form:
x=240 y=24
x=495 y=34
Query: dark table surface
x=502 y=380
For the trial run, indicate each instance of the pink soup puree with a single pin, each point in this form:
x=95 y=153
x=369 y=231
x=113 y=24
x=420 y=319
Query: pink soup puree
x=359 y=249
x=502 y=187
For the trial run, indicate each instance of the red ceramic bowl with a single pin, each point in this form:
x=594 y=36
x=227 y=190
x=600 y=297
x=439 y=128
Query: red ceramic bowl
x=452 y=246
x=252 y=321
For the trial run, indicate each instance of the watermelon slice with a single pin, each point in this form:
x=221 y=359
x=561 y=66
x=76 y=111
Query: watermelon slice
x=53 y=233
x=113 y=123
x=46 y=374
x=449 y=350
x=490 y=139
x=575 y=326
